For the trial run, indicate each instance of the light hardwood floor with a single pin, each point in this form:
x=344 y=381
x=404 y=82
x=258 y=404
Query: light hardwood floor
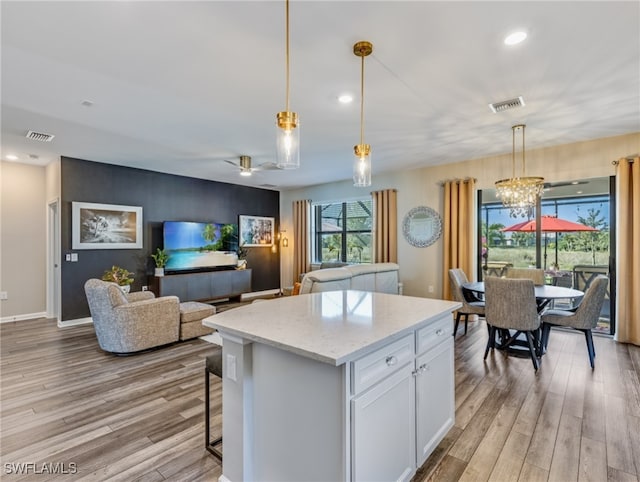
x=141 y=417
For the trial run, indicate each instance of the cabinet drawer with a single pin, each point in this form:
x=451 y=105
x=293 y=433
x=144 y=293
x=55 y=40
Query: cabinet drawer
x=375 y=366
x=431 y=335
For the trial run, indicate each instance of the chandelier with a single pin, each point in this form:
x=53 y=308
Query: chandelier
x=362 y=151
x=519 y=194
x=288 y=126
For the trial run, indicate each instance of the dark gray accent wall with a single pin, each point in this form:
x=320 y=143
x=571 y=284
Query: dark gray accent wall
x=163 y=197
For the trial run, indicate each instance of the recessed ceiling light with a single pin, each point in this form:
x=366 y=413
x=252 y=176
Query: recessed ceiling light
x=345 y=99
x=578 y=192
x=12 y=157
x=87 y=103
x=515 y=38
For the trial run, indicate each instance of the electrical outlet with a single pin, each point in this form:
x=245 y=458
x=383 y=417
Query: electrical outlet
x=145 y=288
x=4 y=295
x=431 y=289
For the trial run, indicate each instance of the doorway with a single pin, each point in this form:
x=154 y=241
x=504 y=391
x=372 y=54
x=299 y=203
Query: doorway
x=572 y=256
x=53 y=260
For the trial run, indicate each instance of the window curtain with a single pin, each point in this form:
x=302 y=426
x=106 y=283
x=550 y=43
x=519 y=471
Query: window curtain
x=301 y=263
x=628 y=268
x=385 y=226
x=457 y=230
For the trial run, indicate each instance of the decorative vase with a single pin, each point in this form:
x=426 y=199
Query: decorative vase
x=125 y=289
x=242 y=264
x=159 y=272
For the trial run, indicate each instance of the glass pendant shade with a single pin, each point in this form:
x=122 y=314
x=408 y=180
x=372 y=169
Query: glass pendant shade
x=362 y=151
x=287 y=140
x=362 y=165
x=287 y=125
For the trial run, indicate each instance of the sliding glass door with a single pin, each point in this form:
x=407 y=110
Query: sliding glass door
x=576 y=241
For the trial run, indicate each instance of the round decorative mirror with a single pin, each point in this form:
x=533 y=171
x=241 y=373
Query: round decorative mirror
x=422 y=227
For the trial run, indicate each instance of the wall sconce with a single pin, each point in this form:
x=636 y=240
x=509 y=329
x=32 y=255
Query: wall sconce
x=280 y=239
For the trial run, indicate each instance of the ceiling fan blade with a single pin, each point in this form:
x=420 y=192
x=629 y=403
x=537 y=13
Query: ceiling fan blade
x=268 y=166
x=231 y=162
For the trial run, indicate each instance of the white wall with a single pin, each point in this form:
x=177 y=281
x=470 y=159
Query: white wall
x=422 y=267
x=22 y=240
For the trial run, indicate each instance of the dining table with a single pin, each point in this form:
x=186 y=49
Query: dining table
x=544 y=293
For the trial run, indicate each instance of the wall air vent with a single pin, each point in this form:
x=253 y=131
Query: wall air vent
x=39 y=136
x=506 y=105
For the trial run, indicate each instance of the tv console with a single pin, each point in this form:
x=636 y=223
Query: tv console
x=203 y=286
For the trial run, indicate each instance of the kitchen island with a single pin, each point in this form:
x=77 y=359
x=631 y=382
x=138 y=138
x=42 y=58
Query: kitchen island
x=340 y=385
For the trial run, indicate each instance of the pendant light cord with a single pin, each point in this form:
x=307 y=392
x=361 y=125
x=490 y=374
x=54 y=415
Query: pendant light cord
x=523 y=173
x=362 y=100
x=513 y=152
x=287 y=52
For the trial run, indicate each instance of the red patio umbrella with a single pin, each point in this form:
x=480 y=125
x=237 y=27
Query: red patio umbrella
x=549 y=224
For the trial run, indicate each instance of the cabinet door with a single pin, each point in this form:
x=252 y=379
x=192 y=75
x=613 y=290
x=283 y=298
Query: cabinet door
x=383 y=429
x=435 y=402
x=174 y=285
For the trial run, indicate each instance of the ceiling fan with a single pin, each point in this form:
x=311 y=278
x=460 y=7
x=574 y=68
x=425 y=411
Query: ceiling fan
x=245 y=166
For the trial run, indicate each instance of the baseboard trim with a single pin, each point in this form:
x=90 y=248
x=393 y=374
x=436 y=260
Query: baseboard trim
x=27 y=316
x=77 y=321
x=258 y=294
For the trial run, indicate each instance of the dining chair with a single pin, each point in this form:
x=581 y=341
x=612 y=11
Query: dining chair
x=535 y=274
x=511 y=305
x=471 y=305
x=583 y=318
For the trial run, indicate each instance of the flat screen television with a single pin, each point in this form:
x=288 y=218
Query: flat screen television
x=197 y=246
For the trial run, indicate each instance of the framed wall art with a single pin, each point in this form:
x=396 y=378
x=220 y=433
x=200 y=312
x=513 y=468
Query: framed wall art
x=105 y=226
x=256 y=231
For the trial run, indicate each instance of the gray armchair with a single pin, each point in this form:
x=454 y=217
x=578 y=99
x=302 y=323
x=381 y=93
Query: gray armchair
x=583 y=318
x=470 y=305
x=130 y=323
x=511 y=305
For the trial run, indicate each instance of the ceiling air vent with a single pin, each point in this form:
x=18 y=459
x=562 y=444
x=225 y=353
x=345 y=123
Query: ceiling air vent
x=506 y=105
x=39 y=136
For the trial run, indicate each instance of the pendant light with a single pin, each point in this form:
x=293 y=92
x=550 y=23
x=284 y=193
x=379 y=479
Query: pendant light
x=362 y=151
x=519 y=194
x=288 y=127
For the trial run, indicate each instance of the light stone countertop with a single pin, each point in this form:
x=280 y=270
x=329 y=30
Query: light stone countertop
x=333 y=327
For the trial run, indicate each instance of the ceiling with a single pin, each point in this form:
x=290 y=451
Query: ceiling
x=180 y=87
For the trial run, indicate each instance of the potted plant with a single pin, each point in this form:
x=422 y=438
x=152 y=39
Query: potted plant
x=160 y=258
x=242 y=252
x=119 y=275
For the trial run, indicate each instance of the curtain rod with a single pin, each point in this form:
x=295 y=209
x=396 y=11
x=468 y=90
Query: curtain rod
x=466 y=179
x=629 y=159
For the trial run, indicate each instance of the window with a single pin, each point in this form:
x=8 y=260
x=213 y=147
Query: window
x=570 y=257
x=342 y=232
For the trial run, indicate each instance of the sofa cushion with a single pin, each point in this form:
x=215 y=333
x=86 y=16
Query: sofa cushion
x=378 y=277
x=194 y=311
x=296 y=288
x=330 y=279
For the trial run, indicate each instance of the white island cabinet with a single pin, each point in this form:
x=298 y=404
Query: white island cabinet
x=335 y=386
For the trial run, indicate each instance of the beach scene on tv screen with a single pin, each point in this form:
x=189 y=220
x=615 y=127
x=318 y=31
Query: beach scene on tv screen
x=193 y=245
